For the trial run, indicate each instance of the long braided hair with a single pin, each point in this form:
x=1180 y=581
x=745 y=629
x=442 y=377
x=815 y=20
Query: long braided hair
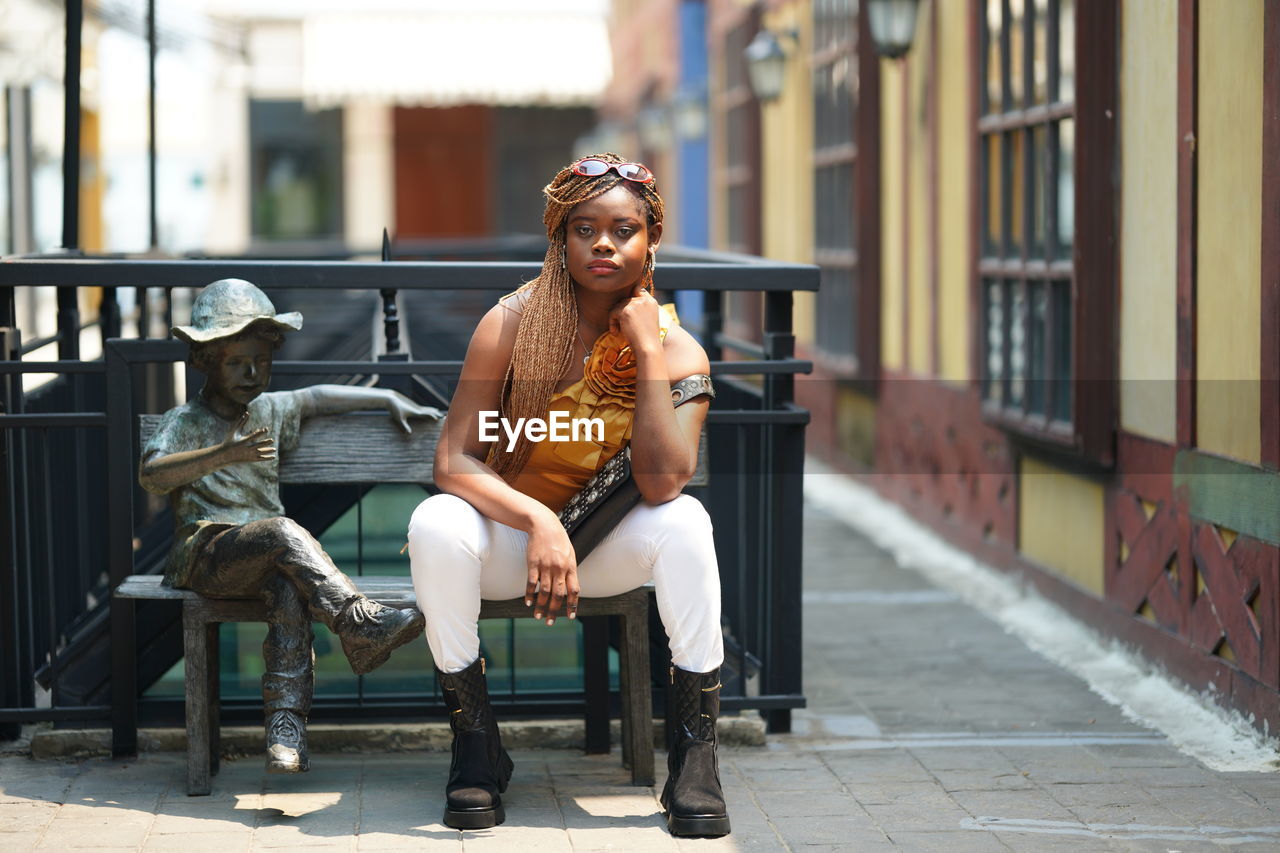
x=549 y=321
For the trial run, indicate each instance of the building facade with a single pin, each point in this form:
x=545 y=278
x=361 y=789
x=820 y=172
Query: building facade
x=1050 y=248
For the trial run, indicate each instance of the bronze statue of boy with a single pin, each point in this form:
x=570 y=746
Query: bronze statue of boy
x=216 y=458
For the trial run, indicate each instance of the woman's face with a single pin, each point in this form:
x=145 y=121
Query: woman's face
x=607 y=241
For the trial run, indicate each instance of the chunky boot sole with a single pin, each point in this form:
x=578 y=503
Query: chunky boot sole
x=474 y=818
x=706 y=825
x=274 y=766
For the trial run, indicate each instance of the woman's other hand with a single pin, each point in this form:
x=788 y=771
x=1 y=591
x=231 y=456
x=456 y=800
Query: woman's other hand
x=553 y=572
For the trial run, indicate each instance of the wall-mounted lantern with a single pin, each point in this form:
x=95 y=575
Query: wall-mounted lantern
x=689 y=110
x=893 y=25
x=766 y=64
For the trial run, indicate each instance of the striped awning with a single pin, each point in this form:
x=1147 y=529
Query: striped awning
x=442 y=58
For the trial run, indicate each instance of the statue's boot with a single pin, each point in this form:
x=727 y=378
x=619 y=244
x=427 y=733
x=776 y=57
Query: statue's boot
x=480 y=768
x=369 y=631
x=287 y=742
x=693 y=798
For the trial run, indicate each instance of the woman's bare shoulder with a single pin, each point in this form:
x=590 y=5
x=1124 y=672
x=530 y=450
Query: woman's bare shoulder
x=685 y=356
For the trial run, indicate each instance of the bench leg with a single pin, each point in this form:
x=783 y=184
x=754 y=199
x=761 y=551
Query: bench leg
x=595 y=683
x=214 y=669
x=637 y=716
x=195 y=641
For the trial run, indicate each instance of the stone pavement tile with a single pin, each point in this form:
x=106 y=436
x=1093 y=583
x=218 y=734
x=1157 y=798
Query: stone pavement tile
x=1156 y=754
x=763 y=780
x=650 y=838
x=305 y=834
x=22 y=780
x=881 y=793
x=1189 y=776
x=954 y=841
x=204 y=842
x=1059 y=764
x=801 y=832
x=925 y=815
x=1071 y=794
x=982 y=780
x=961 y=758
x=19 y=842
x=26 y=817
x=515 y=835
x=879 y=765
x=433 y=836
x=1034 y=804
x=65 y=835
x=771 y=760
x=195 y=816
x=811 y=804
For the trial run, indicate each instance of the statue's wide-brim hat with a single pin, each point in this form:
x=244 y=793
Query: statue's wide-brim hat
x=230 y=306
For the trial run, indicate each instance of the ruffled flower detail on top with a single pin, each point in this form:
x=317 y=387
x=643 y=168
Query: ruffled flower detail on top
x=610 y=374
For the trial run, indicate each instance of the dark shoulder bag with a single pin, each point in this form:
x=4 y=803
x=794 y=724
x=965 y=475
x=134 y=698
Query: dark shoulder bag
x=612 y=491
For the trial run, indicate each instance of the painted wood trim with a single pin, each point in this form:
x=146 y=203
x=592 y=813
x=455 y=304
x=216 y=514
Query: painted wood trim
x=1097 y=197
x=867 y=166
x=1270 y=362
x=977 y=336
x=905 y=224
x=931 y=108
x=1232 y=494
x=1188 y=112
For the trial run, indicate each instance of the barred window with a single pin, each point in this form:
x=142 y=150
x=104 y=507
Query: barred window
x=835 y=95
x=1027 y=132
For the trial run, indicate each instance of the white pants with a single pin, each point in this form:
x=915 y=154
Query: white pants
x=459 y=556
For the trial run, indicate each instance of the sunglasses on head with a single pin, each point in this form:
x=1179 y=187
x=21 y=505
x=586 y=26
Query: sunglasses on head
x=594 y=167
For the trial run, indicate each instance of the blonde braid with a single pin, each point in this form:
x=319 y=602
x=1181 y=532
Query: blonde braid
x=549 y=321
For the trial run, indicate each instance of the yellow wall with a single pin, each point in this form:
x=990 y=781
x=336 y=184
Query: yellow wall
x=786 y=141
x=891 y=195
x=1149 y=217
x=1229 y=224
x=919 y=295
x=1060 y=523
x=955 y=144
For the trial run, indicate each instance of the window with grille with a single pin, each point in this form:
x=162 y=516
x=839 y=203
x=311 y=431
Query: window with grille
x=1027 y=151
x=835 y=153
x=1047 y=201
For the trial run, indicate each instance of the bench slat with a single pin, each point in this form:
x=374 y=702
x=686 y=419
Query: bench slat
x=359 y=447
x=366 y=447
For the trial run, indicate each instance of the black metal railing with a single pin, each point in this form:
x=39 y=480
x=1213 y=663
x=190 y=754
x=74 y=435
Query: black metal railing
x=68 y=536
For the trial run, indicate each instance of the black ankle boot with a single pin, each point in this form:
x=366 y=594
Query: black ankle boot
x=693 y=798
x=480 y=768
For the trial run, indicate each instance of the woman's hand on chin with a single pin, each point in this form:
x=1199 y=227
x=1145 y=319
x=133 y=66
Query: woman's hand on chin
x=636 y=317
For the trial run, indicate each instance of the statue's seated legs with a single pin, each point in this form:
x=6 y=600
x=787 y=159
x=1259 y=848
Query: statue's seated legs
x=279 y=561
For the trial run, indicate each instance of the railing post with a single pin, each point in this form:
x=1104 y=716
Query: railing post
x=120 y=479
x=783 y=475
x=10 y=664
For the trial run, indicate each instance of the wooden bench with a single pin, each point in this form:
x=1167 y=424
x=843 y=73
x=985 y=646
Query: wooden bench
x=387 y=455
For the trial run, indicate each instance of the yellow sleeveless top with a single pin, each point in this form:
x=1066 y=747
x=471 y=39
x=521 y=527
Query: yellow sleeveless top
x=557 y=470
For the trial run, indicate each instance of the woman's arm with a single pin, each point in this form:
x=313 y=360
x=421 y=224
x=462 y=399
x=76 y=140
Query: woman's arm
x=664 y=440
x=460 y=468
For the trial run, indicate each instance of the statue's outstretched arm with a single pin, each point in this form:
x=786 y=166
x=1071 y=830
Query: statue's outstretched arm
x=161 y=474
x=333 y=399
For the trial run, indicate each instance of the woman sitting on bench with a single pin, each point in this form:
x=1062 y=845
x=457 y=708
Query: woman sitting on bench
x=583 y=343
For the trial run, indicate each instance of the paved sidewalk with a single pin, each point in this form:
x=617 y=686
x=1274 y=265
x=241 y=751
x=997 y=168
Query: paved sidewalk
x=928 y=728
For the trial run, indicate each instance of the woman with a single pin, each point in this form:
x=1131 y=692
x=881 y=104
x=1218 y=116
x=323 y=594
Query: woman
x=586 y=338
